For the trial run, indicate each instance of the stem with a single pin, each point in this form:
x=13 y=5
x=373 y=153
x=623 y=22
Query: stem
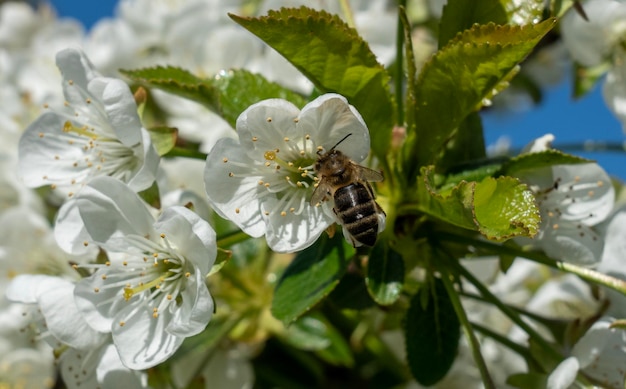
x=181 y=152
x=467 y=329
x=347 y=12
x=232 y=238
x=399 y=63
x=583 y=272
x=523 y=352
x=513 y=315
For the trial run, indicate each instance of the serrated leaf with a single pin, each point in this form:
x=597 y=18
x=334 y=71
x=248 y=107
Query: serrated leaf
x=176 y=81
x=385 y=274
x=459 y=15
x=531 y=161
x=499 y=208
x=163 y=138
x=432 y=336
x=311 y=276
x=228 y=94
x=335 y=58
x=455 y=82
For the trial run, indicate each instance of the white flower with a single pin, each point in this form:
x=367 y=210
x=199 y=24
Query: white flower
x=590 y=42
x=600 y=353
x=152 y=292
x=571 y=199
x=99 y=133
x=264 y=182
x=88 y=358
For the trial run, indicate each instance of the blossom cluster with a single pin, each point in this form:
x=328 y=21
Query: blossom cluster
x=115 y=251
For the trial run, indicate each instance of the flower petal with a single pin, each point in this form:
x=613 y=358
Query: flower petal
x=234 y=197
x=572 y=242
x=196 y=310
x=329 y=118
x=564 y=374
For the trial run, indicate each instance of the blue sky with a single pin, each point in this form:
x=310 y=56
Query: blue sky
x=569 y=120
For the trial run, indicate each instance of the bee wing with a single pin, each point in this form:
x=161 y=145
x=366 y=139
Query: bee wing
x=320 y=193
x=367 y=174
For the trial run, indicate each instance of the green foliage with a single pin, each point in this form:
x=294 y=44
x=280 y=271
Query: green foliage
x=335 y=58
x=531 y=161
x=311 y=276
x=432 y=335
x=385 y=274
x=228 y=94
x=460 y=15
x=455 y=82
x=528 y=380
x=498 y=208
x=163 y=138
x=585 y=78
x=151 y=196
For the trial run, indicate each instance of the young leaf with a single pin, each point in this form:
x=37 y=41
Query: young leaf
x=467 y=145
x=163 y=138
x=459 y=15
x=432 y=335
x=151 y=196
x=311 y=276
x=498 y=208
x=335 y=58
x=538 y=160
x=458 y=78
x=385 y=274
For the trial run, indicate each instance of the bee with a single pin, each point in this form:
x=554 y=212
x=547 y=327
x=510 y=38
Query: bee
x=347 y=184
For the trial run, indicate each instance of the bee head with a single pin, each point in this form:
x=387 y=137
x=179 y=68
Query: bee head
x=332 y=150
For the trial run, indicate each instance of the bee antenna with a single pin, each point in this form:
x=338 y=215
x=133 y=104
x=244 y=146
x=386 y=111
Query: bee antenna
x=342 y=139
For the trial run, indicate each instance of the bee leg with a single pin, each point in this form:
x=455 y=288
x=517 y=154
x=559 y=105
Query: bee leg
x=331 y=230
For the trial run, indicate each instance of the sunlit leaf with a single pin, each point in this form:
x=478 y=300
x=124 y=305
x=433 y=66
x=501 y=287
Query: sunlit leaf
x=385 y=274
x=531 y=161
x=163 y=138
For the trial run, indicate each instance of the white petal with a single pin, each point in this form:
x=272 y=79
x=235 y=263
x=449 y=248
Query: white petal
x=99 y=308
x=564 y=374
x=614 y=90
x=192 y=236
x=21 y=288
x=75 y=66
x=70 y=232
x=196 y=310
x=234 y=198
x=291 y=233
x=542 y=143
x=119 y=107
x=112 y=374
x=572 y=242
x=329 y=118
x=147 y=173
x=269 y=122
x=142 y=341
x=110 y=209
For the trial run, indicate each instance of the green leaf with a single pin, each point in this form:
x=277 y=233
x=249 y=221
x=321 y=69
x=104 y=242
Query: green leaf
x=151 y=196
x=531 y=161
x=351 y=293
x=163 y=138
x=467 y=145
x=455 y=82
x=311 y=276
x=432 y=335
x=499 y=208
x=176 y=81
x=585 y=78
x=528 y=380
x=460 y=15
x=223 y=256
x=385 y=274
x=228 y=94
x=335 y=58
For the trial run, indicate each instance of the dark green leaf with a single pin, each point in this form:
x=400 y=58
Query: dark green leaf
x=385 y=274
x=528 y=380
x=335 y=58
x=163 y=138
x=351 y=293
x=460 y=15
x=467 y=145
x=499 y=208
x=311 y=276
x=532 y=161
x=432 y=335
x=458 y=79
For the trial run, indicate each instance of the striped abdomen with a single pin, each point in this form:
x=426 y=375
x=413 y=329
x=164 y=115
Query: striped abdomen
x=356 y=208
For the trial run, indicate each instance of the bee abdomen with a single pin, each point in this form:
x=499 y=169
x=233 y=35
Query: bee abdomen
x=357 y=210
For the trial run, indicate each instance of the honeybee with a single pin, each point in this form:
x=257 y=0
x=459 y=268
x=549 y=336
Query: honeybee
x=347 y=184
